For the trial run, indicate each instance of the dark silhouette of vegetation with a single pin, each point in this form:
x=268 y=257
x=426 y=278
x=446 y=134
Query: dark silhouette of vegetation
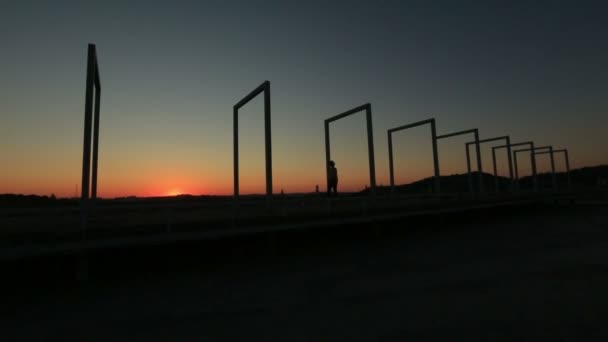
x=14 y=200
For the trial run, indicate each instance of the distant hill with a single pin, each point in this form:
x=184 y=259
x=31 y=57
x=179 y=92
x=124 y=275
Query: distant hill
x=458 y=183
x=449 y=184
x=583 y=177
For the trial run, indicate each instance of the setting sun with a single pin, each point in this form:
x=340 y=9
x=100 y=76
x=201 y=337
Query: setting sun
x=174 y=192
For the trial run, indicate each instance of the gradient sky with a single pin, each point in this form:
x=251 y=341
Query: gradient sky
x=171 y=72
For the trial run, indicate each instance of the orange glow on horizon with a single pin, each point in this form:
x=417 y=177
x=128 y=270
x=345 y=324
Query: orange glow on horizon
x=174 y=192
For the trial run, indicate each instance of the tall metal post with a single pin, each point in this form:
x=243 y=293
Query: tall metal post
x=510 y=162
x=533 y=164
x=390 y=161
x=479 y=167
x=327 y=154
x=568 y=169
x=235 y=137
x=469 y=176
x=88 y=185
x=268 y=141
x=88 y=113
x=435 y=158
x=516 y=172
x=553 y=176
x=370 y=147
x=496 y=187
x=95 y=145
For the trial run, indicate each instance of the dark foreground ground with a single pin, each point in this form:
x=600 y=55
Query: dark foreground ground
x=538 y=274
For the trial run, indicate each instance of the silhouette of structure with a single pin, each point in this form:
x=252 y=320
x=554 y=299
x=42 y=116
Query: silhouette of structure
x=370 y=142
x=516 y=176
x=333 y=179
x=532 y=151
x=508 y=144
x=567 y=160
x=475 y=133
x=265 y=88
x=390 y=132
x=91 y=103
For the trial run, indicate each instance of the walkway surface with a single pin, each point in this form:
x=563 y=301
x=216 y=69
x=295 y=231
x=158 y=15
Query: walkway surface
x=540 y=274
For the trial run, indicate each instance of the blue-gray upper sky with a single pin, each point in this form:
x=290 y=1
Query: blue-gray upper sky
x=172 y=70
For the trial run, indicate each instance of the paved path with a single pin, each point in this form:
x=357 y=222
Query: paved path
x=507 y=277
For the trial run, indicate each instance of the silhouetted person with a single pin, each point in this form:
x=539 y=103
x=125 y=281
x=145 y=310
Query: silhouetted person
x=332 y=179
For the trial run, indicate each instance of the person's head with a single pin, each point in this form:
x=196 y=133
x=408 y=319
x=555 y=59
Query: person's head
x=331 y=163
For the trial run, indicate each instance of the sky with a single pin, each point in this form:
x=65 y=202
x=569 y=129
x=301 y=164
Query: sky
x=171 y=72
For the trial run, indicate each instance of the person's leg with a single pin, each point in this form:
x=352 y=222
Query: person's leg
x=334 y=189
